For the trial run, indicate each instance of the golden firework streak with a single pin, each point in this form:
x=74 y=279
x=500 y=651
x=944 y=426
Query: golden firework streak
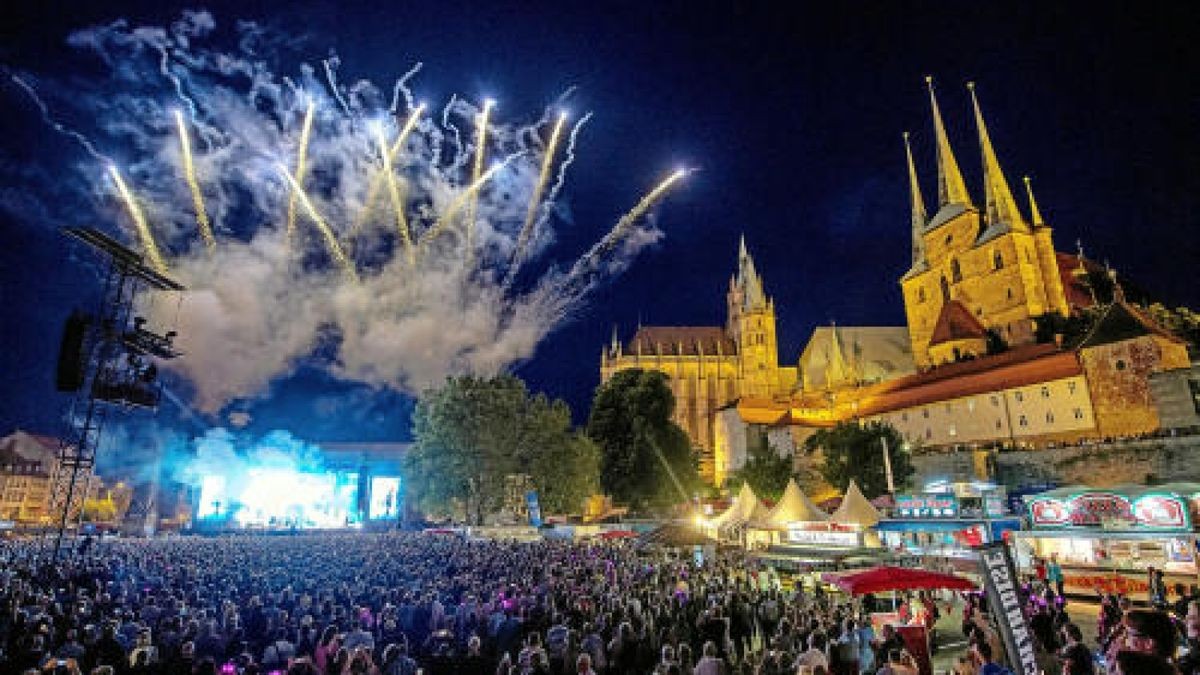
x=189 y=171
x=535 y=200
x=139 y=221
x=643 y=206
x=301 y=161
x=480 y=151
x=457 y=204
x=378 y=180
x=335 y=249
x=397 y=198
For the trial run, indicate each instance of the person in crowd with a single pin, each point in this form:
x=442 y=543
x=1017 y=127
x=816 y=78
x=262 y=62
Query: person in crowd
x=1150 y=631
x=1129 y=662
x=1075 y=657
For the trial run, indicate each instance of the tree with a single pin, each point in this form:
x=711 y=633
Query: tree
x=765 y=470
x=646 y=459
x=854 y=451
x=472 y=433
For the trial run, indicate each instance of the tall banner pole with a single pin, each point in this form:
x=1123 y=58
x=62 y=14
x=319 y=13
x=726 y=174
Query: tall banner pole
x=887 y=466
x=1007 y=606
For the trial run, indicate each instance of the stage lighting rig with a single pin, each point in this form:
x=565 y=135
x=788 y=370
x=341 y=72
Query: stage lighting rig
x=110 y=359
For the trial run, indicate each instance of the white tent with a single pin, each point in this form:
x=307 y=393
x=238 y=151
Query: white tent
x=793 y=507
x=745 y=507
x=855 y=509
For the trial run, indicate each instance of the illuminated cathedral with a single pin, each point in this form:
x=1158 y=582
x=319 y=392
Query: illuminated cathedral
x=971 y=369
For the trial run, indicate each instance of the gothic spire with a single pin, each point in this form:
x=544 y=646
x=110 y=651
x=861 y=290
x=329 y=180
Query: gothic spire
x=918 y=209
x=951 y=188
x=748 y=280
x=1035 y=216
x=1001 y=208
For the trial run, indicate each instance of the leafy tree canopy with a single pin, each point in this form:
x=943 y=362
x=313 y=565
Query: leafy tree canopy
x=646 y=459
x=472 y=433
x=854 y=451
x=765 y=469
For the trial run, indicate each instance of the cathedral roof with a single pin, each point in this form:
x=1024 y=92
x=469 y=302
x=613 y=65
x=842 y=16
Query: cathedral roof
x=682 y=341
x=956 y=322
x=869 y=353
x=1121 y=321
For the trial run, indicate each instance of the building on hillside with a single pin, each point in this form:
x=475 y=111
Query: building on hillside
x=710 y=366
x=971 y=369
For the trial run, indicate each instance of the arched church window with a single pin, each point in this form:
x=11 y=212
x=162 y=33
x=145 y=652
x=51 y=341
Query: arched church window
x=997 y=260
x=945 y=290
x=955 y=271
x=921 y=294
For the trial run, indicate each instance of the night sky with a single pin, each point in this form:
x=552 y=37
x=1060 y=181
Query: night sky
x=793 y=118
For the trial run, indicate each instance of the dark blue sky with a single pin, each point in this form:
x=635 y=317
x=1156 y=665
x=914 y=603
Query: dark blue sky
x=793 y=116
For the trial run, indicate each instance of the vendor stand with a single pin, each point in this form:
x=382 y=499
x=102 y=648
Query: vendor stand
x=882 y=579
x=942 y=526
x=1106 y=540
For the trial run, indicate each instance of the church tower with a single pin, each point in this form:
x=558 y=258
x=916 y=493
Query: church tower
x=975 y=269
x=751 y=325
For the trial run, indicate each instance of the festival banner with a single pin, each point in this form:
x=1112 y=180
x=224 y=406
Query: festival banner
x=1007 y=607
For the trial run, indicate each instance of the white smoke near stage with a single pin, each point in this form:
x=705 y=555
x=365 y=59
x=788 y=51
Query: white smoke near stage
x=312 y=221
x=278 y=481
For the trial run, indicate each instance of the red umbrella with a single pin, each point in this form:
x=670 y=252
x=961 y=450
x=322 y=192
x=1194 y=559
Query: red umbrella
x=618 y=534
x=878 y=579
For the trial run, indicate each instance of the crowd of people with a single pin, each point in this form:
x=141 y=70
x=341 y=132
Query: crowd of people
x=395 y=603
x=402 y=603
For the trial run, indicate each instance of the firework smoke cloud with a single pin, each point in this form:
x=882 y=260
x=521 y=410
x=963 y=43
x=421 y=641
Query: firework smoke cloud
x=380 y=274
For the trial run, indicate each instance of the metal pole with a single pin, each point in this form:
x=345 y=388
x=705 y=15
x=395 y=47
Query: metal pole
x=887 y=466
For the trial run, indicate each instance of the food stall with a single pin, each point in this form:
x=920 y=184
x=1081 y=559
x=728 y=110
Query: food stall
x=1106 y=539
x=947 y=523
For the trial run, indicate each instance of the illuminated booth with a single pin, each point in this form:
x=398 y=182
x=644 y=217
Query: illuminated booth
x=1106 y=539
x=846 y=538
x=947 y=520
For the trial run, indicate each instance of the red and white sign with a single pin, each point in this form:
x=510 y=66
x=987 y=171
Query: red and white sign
x=1110 y=511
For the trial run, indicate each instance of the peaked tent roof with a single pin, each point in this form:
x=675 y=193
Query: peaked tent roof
x=745 y=506
x=794 y=506
x=880 y=579
x=855 y=509
x=955 y=322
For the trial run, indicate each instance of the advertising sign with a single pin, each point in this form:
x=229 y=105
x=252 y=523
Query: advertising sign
x=927 y=506
x=1110 y=510
x=1004 y=599
x=822 y=537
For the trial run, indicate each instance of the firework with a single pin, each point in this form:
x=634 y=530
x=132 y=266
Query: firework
x=466 y=195
x=394 y=191
x=139 y=221
x=189 y=172
x=335 y=249
x=301 y=160
x=480 y=151
x=377 y=181
x=535 y=200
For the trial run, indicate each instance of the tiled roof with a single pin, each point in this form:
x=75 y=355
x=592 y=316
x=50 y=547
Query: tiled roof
x=682 y=341
x=955 y=322
x=1030 y=364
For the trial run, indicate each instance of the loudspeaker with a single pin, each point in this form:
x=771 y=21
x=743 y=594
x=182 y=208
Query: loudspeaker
x=69 y=377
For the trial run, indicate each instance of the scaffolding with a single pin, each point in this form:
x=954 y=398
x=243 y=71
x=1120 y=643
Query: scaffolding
x=120 y=353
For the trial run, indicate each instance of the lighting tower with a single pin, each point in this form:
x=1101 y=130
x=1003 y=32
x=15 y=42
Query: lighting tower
x=109 y=361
